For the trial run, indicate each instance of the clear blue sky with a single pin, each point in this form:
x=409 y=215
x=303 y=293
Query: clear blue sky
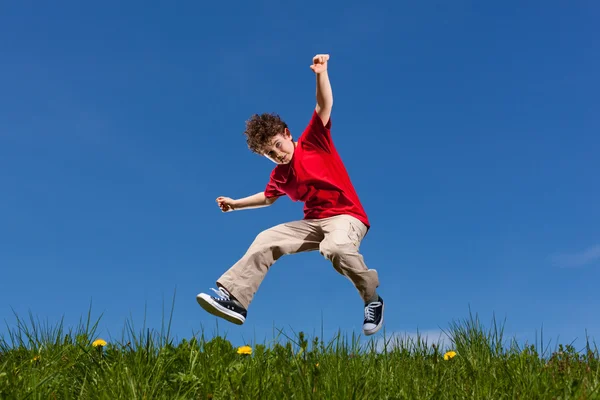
x=471 y=132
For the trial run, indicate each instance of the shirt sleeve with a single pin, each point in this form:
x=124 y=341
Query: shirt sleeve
x=317 y=134
x=272 y=189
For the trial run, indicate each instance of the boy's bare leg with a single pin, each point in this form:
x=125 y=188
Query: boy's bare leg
x=244 y=277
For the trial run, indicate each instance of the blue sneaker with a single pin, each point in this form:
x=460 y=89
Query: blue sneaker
x=223 y=305
x=373 y=317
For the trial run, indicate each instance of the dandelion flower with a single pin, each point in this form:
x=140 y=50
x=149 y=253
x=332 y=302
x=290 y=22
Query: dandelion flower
x=317 y=365
x=244 y=350
x=449 y=355
x=36 y=358
x=99 y=342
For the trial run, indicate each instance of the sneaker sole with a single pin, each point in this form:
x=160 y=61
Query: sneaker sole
x=214 y=308
x=378 y=327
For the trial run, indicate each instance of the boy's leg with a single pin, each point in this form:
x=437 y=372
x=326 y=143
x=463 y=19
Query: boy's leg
x=343 y=234
x=244 y=277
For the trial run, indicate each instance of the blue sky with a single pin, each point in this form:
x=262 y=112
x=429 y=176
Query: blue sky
x=470 y=131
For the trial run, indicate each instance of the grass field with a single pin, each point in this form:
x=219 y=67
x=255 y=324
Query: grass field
x=43 y=362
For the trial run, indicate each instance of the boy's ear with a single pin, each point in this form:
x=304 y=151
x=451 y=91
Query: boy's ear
x=287 y=133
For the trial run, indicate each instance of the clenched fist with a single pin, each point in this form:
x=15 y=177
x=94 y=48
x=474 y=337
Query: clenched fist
x=225 y=203
x=320 y=63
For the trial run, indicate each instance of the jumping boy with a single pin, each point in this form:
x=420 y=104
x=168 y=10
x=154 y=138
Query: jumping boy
x=309 y=170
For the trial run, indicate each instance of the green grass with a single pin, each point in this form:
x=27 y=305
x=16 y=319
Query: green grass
x=38 y=361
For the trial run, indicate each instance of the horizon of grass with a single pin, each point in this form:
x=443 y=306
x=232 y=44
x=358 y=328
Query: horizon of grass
x=43 y=361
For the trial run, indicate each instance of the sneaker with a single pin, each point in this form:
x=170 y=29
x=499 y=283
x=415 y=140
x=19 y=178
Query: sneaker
x=222 y=305
x=373 y=317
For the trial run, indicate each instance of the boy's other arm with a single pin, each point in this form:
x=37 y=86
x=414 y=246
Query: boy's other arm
x=257 y=200
x=324 y=92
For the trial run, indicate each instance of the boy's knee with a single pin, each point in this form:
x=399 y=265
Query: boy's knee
x=264 y=246
x=261 y=239
x=331 y=249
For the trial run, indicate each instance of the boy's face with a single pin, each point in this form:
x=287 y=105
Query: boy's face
x=281 y=148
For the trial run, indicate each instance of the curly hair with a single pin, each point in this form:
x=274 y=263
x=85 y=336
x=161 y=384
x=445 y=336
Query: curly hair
x=260 y=130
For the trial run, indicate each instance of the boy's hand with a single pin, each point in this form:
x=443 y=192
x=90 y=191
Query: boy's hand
x=320 y=63
x=225 y=203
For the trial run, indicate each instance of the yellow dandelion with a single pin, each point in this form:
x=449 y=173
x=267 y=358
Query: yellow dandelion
x=36 y=358
x=317 y=365
x=449 y=355
x=244 y=350
x=99 y=342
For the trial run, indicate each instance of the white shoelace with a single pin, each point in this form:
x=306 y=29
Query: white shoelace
x=221 y=294
x=370 y=310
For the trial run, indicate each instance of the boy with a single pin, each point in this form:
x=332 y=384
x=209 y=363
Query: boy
x=309 y=170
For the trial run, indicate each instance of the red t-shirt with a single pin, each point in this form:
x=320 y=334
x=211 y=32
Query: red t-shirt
x=317 y=176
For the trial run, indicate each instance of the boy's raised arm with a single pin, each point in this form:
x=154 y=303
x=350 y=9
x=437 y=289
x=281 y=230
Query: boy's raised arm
x=324 y=92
